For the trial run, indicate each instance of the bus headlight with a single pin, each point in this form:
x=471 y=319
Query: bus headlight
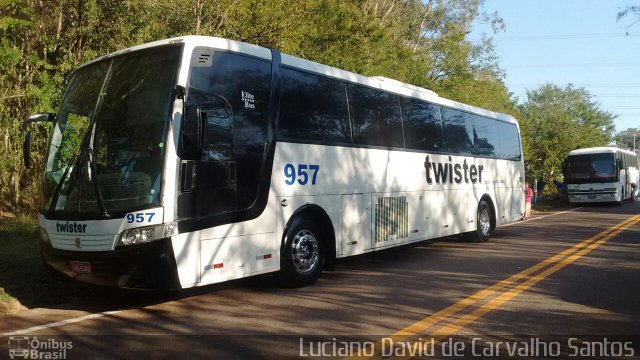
x=147 y=233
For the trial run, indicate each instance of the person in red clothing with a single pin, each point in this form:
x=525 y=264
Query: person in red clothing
x=528 y=195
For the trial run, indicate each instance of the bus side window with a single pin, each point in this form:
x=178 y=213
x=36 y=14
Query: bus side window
x=375 y=117
x=313 y=108
x=458 y=132
x=509 y=141
x=422 y=125
x=485 y=139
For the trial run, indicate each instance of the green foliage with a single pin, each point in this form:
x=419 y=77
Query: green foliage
x=420 y=42
x=628 y=139
x=43 y=42
x=557 y=120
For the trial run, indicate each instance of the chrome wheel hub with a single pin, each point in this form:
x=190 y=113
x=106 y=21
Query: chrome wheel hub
x=484 y=221
x=304 y=251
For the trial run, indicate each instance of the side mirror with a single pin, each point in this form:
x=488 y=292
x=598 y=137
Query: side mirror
x=38 y=118
x=191 y=132
x=28 y=137
x=620 y=164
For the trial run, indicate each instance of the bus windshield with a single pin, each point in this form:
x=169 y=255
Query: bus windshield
x=591 y=168
x=107 y=145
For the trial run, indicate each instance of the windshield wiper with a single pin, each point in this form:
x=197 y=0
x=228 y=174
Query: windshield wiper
x=75 y=164
x=85 y=150
x=93 y=170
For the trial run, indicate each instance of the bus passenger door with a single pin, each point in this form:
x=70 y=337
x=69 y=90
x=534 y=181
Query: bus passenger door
x=355 y=229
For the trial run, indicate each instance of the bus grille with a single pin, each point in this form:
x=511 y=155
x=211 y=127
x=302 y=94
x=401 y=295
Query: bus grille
x=392 y=218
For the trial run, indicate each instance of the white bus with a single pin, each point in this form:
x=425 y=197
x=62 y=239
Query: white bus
x=197 y=160
x=601 y=174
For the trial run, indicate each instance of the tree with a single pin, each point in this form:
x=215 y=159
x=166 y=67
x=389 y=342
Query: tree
x=630 y=10
x=557 y=120
x=628 y=139
x=422 y=43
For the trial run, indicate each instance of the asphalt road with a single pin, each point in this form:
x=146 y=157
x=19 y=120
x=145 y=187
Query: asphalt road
x=557 y=286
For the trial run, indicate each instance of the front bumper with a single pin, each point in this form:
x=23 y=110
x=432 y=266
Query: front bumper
x=592 y=198
x=150 y=265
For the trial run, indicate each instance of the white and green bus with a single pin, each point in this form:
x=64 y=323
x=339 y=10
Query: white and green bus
x=197 y=160
x=601 y=174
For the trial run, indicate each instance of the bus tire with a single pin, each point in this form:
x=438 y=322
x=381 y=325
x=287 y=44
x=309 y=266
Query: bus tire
x=484 y=223
x=303 y=254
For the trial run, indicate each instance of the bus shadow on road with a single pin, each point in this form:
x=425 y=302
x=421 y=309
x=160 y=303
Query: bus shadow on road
x=627 y=207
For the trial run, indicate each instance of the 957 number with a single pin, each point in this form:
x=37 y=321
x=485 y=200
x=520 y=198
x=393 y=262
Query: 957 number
x=140 y=217
x=304 y=173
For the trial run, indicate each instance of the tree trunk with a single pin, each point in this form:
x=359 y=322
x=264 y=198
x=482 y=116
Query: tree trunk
x=424 y=20
x=198 y=11
x=15 y=179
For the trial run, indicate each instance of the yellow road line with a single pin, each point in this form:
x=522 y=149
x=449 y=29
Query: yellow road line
x=455 y=326
x=426 y=322
x=557 y=259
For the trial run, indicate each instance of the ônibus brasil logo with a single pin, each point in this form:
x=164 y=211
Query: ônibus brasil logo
x=25 y=347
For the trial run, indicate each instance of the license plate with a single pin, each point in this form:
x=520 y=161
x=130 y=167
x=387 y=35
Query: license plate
x=591 y=197
x=80 y=267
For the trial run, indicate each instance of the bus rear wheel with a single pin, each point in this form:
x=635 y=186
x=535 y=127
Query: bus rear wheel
x=302 y=255
x=484 y=223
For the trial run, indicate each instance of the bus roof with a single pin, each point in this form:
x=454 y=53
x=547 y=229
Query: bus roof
x=379 y=82
x=600 y=150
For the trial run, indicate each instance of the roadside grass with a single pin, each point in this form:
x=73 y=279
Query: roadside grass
x=4 y=297
x=26 y=284
x=551 y=205
x=24 y=281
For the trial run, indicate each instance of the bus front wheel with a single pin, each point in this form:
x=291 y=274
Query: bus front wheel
x=302 y=255
x=484 y=223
